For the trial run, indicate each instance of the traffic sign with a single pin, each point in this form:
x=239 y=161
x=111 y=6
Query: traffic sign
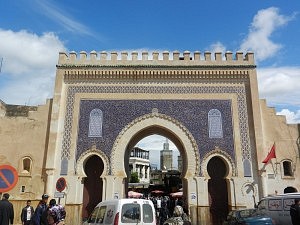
x=8 y=178
x=59 y=194
x=60 y=184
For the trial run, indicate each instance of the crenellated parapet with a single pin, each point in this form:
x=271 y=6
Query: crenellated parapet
x=156 y=59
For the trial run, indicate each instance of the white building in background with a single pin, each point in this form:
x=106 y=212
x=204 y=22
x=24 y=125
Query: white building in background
x=139 y=162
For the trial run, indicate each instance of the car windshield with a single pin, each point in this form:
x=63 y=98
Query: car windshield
x=247 y=213
x=130 y=213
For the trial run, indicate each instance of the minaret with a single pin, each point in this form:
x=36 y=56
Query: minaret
x=166 y=144
x=166 y=157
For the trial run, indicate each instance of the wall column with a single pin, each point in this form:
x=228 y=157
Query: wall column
x=200 y=212
x=264 y=183
x=50 y=186
x=114 y=187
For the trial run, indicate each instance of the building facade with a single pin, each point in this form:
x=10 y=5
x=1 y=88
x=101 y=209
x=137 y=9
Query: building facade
x=139 y=163
x=105 y=103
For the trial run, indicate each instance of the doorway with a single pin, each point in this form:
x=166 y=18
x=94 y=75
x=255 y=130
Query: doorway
x=93 y=185
x=217 y=189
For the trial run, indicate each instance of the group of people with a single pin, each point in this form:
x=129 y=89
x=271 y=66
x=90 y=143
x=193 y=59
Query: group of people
x=170 y=211
x=54 y=214
x=44 y=214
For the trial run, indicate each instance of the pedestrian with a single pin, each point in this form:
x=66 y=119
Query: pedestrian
x=164 y=213
x=27 y=213
x=56 y=212
x=179 y=217
x=38 y=218
x=6 y=211
x=295 y=212
x=56 y=215
x=52 y=203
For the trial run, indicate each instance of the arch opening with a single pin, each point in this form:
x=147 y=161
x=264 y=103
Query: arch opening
x=217 y=189
x=160 y=131
x=92 y=184
x=165 y=177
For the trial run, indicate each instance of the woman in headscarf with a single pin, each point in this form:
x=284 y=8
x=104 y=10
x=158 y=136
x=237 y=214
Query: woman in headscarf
x=179 y=217
x=54 y=216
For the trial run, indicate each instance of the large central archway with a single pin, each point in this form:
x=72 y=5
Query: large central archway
x=156 y=123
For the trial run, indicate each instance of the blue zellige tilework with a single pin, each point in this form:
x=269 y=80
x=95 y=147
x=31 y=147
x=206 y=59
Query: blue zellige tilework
x=193 y=114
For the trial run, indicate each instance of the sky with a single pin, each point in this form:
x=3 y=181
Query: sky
x=33 y=32
x=154 y=144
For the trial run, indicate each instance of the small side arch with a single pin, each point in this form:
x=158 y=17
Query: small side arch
x=86 y=155
x=231 y=168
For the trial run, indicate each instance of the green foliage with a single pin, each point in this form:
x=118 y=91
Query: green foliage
x=134 y=178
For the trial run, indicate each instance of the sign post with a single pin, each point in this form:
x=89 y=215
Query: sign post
x=8 y=178
x=60 y=186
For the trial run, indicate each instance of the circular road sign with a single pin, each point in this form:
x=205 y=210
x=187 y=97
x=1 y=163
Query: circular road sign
x=8 y=178
x=61 y=184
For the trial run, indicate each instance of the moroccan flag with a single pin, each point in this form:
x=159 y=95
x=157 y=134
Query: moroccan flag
x=270 y=155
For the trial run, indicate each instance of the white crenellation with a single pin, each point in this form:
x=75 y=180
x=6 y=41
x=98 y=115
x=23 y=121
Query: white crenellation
x=156 y=58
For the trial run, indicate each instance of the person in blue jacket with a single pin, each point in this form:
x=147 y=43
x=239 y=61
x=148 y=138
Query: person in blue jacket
x=38 y=218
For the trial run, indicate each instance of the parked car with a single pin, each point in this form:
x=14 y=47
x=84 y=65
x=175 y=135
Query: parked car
x=123 y=212
x=247 y=217
x=278 y=207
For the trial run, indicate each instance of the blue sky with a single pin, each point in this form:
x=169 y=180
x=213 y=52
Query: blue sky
x=32 y=32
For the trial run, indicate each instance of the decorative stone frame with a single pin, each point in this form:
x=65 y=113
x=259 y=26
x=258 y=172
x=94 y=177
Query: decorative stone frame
x=79 y=170
x=292 y=168
x=191 y=154
x=231 y=168
x=22 y=172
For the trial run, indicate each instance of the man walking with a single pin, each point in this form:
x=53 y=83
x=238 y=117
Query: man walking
x=27 y=213
x=6 y=211
x=295 y=212
x=38 y=217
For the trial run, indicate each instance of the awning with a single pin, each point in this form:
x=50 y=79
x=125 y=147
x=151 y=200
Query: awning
x=133 y=194
x=177 y=194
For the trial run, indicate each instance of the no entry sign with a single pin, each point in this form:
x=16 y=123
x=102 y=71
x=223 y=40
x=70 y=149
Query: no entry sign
x=8 y=178
x=60 y=184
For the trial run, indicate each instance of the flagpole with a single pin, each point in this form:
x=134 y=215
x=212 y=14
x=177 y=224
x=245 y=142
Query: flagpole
x=275 y=148
x=275 y=160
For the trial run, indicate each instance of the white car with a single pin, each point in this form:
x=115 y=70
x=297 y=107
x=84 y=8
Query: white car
x=123 y=212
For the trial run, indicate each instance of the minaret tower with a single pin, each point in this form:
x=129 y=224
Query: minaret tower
x=166 y=157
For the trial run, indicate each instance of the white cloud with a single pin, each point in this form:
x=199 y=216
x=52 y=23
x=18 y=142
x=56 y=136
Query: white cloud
x=217 y=47
x=280 y=85
x=62 y=18
x=28 y=69
x=264 y=24
x=291 y=117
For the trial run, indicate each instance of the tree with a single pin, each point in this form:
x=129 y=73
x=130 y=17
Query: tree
x=134 y=178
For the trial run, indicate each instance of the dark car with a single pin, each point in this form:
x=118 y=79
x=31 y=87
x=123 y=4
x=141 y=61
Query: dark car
x=247 y=217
